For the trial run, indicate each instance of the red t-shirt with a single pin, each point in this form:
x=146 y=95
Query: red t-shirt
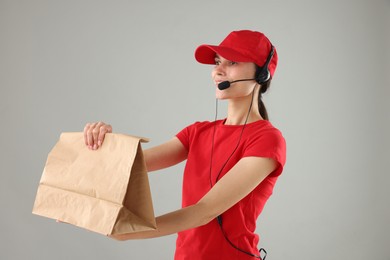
x=259 y=139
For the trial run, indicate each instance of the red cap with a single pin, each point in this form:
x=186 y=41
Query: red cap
x=240 y=46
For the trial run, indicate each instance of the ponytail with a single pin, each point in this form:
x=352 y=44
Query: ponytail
x=262 y=109
x=263 y=88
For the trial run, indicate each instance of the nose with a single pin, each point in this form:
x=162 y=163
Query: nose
x=219 y=70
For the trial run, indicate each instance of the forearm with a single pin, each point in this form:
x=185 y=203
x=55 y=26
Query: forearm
x=242 y=179
x=165 y=155
x=173 y=222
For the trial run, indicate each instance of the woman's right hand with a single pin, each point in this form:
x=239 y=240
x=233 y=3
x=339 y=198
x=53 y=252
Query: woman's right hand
x=94 y=134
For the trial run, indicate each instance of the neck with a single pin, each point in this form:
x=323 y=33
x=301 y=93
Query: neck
x=238 y=110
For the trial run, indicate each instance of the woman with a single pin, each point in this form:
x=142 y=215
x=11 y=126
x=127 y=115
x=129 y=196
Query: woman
x=232 y=164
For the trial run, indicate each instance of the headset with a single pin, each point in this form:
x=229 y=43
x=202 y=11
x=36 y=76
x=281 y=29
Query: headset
x=262 y=73
x=262 y=76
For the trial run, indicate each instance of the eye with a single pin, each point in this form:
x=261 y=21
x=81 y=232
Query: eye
x=233 y=63
x=217 y=62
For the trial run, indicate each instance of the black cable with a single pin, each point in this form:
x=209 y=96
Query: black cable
x=219 y=218
x=239 y=139
x=212 y=142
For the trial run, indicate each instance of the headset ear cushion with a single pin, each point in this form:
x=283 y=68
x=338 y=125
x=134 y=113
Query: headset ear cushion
x=263 y=75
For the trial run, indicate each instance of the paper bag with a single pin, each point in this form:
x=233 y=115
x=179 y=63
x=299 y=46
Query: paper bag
x=104 y=190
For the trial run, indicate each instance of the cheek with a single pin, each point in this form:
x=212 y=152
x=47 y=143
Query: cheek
x=213 y=73
x=235 y=91
x=241 y=90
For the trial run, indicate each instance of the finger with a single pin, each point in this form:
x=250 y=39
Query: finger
x=95 y=135
x=89 y=135
x=109 y=129
x=86 y=128
x=104 y=129
x=102 y=133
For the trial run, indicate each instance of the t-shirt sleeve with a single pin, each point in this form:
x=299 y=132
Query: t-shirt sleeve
x=184 y=136
x=270 y=144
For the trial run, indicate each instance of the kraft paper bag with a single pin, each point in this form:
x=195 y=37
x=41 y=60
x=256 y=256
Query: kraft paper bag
x=104 y=190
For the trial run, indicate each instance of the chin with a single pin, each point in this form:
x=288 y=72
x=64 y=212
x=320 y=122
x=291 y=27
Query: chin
x=221 y=94
x=221 y=97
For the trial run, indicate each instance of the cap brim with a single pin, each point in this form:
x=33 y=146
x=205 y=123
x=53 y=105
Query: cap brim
x=206 y=54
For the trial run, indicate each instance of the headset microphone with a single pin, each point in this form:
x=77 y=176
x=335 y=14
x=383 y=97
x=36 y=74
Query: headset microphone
x=226 y=84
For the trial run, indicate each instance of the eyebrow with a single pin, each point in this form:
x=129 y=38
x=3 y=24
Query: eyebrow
x=218 y=58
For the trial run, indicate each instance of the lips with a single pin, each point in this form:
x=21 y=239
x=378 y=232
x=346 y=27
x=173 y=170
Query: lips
x=219 y=81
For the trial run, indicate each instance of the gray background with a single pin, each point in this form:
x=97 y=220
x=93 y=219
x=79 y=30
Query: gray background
x=130 y=63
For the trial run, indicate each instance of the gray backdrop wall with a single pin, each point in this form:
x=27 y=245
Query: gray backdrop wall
x=130 y=63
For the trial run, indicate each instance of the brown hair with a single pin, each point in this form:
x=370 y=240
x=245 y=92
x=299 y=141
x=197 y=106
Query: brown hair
x=262 y=109
x=263 y=88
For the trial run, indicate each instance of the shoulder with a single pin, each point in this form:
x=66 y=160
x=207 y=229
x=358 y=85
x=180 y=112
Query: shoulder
x=265 y=130
x=192 y=132
x=267 y=141
x=201 y=126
